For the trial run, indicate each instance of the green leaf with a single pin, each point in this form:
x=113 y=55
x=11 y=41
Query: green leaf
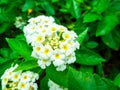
x=28 y=5
x=109 y=40
x=53 y=1
x=107 y=24
x=21 y=47
x=74 y=8
x=88 y=57
x=44 y=83
x=80 y=1
x=3 y=1
x=85 y=68
x=82 y=36
x=90 y=17
x=57 y=76
x=78 y=80
x=3 y=60
x=110 y=84
x=5 y=52
x=116 y=35
x=20 y=37
x=101 y=85
x=117 y=80
x=27 y=65
x=4 y=27
x=100 y=6
x=14 y=55
x=5 y=66
x=48 y=8
x=91 y=44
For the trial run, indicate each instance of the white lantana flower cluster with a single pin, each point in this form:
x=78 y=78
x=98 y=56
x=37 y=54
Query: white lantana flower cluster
x=19 y=80
x=19 y=22
x=53 y=86
x=52 y=43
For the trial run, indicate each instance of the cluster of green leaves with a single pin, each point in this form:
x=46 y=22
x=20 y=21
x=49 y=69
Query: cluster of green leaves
x=96 y=23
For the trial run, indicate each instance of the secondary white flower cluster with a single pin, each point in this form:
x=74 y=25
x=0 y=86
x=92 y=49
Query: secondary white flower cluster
x=52 y=43
x=54 y=86
x=19 y=22
x=19 y=80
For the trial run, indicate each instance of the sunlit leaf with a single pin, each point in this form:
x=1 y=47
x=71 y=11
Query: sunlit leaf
x=27 y=65
x=87 y=57
x=107 y=24
x=21 y=47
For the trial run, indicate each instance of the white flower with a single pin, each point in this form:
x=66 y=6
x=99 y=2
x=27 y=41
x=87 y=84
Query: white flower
x=30 y=29
x=66 y=48
x=19 y=22
x=32 y=20
x=33 y=86
x=23 y=86
x=47 y=51
x=44 y=31
x=16 y=76
x=61 y=67
x=37 y=50
x=44 y=62
x=26 y=76
x=58 y=58
x=38 y=39
x=5 y=80
x=62 y=28
x=35 y=77
x=66 y=36
x=53 y=28
x=71 y=58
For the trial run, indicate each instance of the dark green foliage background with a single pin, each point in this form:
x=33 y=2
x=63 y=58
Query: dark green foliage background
x=96 y=23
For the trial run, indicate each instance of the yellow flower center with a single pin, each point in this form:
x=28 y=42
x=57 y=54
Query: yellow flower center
x=39 y=39
x=46 y=21
x=31 y=88
x=5 y=80
x=67 y=36
x=57 y=56
x=44 y=30
x=40 y=26
x=53 y=29
x=33 y=28
x=22 y=85
x=46 y=51
x=38 y=49
x=15 y=76
x=25 y=77
x=45 y=60
x=61 y=29
x=10 y=73
x=65 y=47
x=33 y=21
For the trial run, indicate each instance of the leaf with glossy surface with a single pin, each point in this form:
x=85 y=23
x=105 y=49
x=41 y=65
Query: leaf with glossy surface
x=90 y=17
x=74 y=8
x=100 y=6
x=21 y=47
x=91 y=44
x=27 y=65
x=109 y=40
x=107 y=24
x=88 y=57
x=117 y=80
x=82 y=36
x=79 y=80
x=59 y=77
